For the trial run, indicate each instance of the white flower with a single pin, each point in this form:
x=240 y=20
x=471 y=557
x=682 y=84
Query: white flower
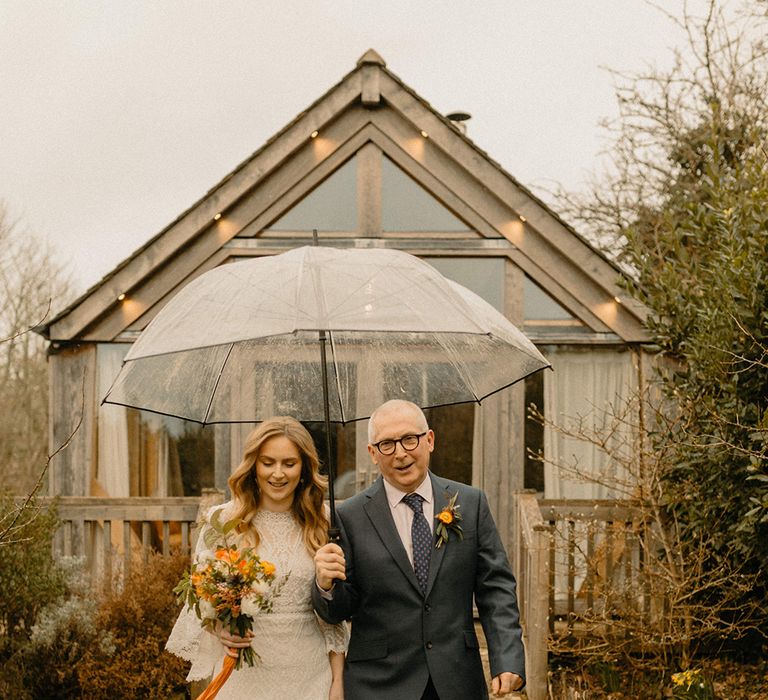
x=205 y=556
x=207 y=611
x=250 y=606
x=261 y=588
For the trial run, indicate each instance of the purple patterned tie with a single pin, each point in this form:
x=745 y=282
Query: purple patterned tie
x=421 y=539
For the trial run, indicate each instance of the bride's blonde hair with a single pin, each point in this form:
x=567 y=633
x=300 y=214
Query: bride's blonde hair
x=310 y=491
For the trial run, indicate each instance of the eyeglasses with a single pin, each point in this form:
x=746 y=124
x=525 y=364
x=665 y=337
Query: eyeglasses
x=408 y=443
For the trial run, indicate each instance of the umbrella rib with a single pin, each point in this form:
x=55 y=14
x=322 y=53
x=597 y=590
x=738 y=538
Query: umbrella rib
x=216 y=385
x=336 y=376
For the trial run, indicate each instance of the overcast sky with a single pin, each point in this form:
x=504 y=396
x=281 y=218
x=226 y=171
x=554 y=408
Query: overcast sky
x=116 y=116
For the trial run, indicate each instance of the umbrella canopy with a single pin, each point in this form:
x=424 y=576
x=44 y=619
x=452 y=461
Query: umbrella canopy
x=240 y=342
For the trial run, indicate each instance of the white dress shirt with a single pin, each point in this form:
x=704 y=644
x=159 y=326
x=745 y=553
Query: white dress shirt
x=402 y=513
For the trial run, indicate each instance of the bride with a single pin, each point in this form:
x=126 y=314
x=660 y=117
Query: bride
x=277 y=493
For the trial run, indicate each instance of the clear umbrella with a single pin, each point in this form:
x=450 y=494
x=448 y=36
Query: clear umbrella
x=320 y=334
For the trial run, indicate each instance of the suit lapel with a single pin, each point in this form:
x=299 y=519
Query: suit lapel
x=441 y=496
x=378 y=511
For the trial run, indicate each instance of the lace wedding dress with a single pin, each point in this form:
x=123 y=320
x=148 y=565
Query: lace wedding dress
x=292 y=641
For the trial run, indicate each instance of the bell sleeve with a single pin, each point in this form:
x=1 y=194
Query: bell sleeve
x=188 y=639
x=336 y=636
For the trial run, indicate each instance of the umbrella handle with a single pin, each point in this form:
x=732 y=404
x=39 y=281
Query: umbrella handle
x=334 y=534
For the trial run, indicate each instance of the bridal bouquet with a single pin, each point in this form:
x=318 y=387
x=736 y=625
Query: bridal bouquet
x=228 y=586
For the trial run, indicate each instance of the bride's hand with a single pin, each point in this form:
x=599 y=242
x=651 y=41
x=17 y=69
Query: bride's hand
x=233 y=642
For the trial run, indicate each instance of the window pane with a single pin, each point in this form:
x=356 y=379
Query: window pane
x=145 y=454
x=407 y=206
x=168 y=456
x=454 y=428
x=539 y=306
x=534 y=433
x=483 y=276
x=342 y=454
x=331 y=206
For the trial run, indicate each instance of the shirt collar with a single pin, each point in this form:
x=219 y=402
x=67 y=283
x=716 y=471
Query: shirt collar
x=395 y=495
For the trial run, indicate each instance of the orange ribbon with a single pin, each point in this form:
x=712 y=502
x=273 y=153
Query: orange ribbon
x=215 y=685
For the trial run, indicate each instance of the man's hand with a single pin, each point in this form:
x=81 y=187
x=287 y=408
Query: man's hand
x=329 y=565
x=233 y=642
x=505 y=683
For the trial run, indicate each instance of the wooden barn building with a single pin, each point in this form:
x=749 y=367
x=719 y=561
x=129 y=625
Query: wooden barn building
x=369 y=164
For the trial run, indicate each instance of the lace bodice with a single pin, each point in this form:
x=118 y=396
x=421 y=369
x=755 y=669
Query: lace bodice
x=292 y=642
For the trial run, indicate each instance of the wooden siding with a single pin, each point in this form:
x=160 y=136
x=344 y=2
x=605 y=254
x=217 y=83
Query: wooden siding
x=73 y=406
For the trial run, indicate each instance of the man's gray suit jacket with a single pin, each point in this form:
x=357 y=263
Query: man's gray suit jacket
x=400 y=637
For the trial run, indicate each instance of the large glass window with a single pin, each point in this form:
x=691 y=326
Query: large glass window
x=168 y=456
x=483 y=276
x=454 y=428
x=145 y=454
x=331 y=206
x=542 y=311
x=407 y=206
x=342 y=454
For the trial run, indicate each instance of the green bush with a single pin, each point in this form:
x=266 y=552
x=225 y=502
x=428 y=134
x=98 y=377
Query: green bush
x=30 y=578
x=63 y=633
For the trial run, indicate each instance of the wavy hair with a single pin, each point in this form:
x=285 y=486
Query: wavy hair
x=310 y=491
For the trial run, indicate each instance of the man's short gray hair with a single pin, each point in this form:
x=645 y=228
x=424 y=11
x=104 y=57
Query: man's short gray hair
x=396 y=405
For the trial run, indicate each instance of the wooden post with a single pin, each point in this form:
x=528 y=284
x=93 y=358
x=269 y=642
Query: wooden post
x=538 y=614
x=532 y=569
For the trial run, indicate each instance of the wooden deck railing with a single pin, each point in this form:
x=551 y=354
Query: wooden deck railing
x=597 y=555
x=569 y=557
x=111 y=533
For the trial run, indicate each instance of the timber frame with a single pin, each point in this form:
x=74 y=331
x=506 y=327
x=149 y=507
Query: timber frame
x=369 y=112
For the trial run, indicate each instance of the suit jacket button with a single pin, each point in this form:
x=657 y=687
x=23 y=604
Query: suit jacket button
x=429 y=645
x=427 y=607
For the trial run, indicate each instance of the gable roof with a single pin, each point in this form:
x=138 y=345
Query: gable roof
x=369 y=105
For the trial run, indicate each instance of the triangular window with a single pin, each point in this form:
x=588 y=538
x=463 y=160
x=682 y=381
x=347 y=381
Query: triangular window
x=331 y=206
x=540 y=309
x=407 y=206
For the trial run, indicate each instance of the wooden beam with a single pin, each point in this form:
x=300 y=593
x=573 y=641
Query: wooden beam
x=72 y=396
x=134 y=508
x=369 y=191
x=370 y=90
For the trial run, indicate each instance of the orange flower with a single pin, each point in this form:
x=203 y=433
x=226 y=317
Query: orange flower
x=448 y=521
x=229 y=555
x=244 y=567
x=267 y=567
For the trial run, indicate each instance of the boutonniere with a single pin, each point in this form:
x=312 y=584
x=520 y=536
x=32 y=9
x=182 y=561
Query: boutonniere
x=448 y=521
